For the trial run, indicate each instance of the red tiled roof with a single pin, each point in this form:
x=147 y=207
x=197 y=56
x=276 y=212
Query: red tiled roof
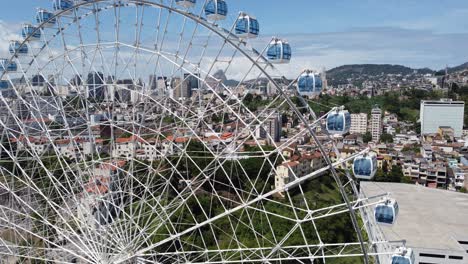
x=182 y=140
x=114 y=165
x=98 y=185
x=133 y=138
x=290 y=164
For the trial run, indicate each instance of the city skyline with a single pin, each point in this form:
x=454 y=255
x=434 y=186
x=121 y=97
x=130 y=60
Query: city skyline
x=417 y=36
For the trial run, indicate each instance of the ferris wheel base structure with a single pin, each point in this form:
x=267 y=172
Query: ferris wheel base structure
x=427 y=221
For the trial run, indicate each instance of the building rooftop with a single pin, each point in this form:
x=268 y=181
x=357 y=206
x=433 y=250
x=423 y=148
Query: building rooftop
x=428 y=218
x=442 y=101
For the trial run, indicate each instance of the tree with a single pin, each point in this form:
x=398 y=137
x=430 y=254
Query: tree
x=367 y=137
x=380 y=176
x=284 y=119
x=215 y=118
x=385 y=166
x=386 y=138
x=226 y=118
x=394 y=175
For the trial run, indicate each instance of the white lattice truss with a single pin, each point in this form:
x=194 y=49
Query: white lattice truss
x=111 y=175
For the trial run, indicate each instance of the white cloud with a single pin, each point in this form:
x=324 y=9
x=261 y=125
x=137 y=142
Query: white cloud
x=451 y=20
x=8 y=32
x=413 y=48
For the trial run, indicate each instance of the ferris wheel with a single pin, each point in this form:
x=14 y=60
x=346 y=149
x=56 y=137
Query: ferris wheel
x=130 y=135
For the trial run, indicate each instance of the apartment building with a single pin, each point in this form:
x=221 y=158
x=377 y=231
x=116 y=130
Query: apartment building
x=358 y=123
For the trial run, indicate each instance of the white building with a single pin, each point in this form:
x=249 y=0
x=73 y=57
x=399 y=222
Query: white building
x=426 y=151
x=125 y=147
x=376 y=124
x=286 y=173
x=358 y=123
x=161 y=86
x=289 y=171
x=459 y=176
x=445 y=112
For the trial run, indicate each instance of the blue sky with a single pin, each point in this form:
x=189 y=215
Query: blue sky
x=416 y=33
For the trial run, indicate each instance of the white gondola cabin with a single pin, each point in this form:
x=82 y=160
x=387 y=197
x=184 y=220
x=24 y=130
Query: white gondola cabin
x=31 y=32
x=216 y=10
x=247 y=26
x=279 y=51
x=386 y=212
x=403 y=255
x=45 y=18
x=63 y=5
x=16 y=47
x=5 y=65
x=4 y=84
x=309 y=84
x=365 y=166
x=338 y=122
x=186 y=3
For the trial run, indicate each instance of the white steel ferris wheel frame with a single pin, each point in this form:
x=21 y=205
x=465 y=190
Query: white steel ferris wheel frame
x=341 y=250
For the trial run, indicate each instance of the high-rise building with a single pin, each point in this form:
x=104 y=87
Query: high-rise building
x=191 y=83
x=123 y=90
x=96 y=85
x=323 y=74
x=271 y=89
x=446 y=113
x=76 y=80
x=185 y=88
x=376 y=123
x=161 y=86
x=358 y=123
x=177 y=87
x=153 y=82
x=271 y=128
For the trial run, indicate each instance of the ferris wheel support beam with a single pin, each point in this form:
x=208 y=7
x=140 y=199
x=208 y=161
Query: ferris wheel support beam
x=373 y=230
x=330 y=251
x=298 y=181
x=297 y=112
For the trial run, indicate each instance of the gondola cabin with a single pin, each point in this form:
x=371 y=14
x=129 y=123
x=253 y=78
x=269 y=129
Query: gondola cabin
x=186 y=3
x=279 y=52
x=247 y=26
x=338 y=122
x=63 y=5
x=365 y=166
x=403 y=255
x=45 y=18
x=17 y=48
x=30 y=32
x=4 y=84
x=216 y=10
x=386 y=212
x=5 y=65
x=309 y=84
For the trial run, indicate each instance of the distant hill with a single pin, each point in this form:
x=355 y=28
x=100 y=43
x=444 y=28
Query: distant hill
x=461 y=67
x=377 y=69
x=340 y=75
x=220 y=75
